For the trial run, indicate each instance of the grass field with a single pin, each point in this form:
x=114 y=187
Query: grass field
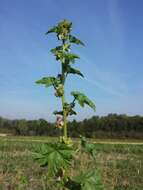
x=120 y=163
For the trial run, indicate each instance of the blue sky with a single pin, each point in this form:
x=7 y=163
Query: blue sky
x=111 y=61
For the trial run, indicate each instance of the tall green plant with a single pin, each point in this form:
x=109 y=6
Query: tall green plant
x=66 y=58
x=60 y=157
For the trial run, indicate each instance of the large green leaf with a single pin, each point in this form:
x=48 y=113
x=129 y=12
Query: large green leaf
x=83 y=99
x=75 y=40
x=55 y=156
x=49 y=81
x=71 y=70
x=89 y=180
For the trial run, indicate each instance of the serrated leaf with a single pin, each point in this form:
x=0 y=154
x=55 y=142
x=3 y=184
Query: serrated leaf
x=83 y=99
x=75 y=40
x=89 y=180
x=55 y=156
x=48 y=81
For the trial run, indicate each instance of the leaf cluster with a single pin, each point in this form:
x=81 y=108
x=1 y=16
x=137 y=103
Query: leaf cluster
x=68 y=109
x=56 y=156
x=62 y=52
x=63 y=30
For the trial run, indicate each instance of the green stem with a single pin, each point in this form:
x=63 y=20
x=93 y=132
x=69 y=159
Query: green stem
x=63 y=101
x=64 y=117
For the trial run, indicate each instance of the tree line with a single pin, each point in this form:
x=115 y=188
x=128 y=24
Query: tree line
x=110 y=126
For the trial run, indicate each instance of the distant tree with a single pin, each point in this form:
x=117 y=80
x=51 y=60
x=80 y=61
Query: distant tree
x=110 y=126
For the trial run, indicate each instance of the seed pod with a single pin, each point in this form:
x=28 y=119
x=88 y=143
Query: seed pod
x=60 y=90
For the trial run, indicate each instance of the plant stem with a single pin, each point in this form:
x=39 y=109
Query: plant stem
x=63 y=101
x=64 y=116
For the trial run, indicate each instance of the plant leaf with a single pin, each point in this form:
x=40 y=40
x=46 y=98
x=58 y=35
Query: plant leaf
x=48 y=81
x=55 y=156
x=58 y=112
x=63 y=56
x=82 y=99
x=62 y=29
x=75 y=40
x=54 y=29
x=72 y=56
x=89 y=180
x=71 y=112
x=72 y=70
x=69 y=109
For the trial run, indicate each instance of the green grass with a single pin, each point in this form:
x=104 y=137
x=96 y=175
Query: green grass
x=121 y=165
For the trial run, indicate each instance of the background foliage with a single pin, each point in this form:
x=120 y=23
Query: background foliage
x=110 y=126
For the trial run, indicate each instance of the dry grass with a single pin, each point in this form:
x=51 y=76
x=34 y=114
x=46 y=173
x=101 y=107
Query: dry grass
x=121 y=166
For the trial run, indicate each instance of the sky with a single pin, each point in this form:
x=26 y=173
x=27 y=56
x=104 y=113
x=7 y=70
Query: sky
x=111 y=61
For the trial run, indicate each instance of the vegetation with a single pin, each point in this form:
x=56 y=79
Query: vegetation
x=63 y=164
x=120 y=166
x=60 y=157
x=111 y=126
x=66 y=58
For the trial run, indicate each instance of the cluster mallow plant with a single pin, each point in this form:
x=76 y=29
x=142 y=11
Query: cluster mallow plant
x=60 y=156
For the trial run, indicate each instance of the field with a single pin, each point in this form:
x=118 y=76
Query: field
x=120 y=163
